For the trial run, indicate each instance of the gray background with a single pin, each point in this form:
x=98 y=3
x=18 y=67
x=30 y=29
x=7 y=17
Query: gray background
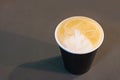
x=28 y=50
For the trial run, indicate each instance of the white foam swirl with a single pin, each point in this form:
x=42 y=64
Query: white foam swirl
x=77 y=43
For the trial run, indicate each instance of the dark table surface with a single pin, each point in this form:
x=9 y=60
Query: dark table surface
x=28 y=50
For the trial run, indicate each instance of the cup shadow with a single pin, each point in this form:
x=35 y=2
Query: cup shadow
x=53 y=64
x=47 y=69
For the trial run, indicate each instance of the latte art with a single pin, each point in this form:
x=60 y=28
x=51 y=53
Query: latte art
x=79 y=34
x=77 y=43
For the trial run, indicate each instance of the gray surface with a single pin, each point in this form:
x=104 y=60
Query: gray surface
x=28 y=50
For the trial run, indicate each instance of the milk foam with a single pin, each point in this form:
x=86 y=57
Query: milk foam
x=77 y=43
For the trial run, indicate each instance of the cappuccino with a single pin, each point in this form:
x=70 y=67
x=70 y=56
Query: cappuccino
x=79 y=35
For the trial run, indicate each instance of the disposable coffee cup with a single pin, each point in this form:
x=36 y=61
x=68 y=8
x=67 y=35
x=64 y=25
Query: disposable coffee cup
x=78 y=38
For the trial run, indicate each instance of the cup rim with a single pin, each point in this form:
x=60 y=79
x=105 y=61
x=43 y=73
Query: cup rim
x=70 y=51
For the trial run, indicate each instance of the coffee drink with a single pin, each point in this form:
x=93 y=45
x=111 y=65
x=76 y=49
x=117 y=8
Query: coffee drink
x=79 y=35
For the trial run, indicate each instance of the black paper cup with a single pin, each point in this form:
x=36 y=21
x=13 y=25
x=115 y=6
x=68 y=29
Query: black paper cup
x=77 y=63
